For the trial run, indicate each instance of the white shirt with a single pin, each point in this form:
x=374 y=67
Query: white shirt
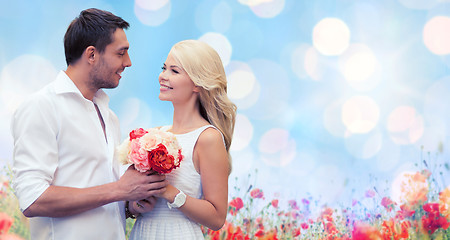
x=59 y=140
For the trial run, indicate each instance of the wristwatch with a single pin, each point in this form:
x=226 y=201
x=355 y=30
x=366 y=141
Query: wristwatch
x=179 y=200
x=128 y=214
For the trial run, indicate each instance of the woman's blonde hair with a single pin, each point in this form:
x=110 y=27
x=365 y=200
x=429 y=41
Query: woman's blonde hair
x=204 y=66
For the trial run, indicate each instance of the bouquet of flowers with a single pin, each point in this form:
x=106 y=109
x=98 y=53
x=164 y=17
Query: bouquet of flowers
x=151 y=149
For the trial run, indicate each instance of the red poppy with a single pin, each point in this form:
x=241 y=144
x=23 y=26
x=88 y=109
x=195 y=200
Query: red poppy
x=259 y=233
x=432 y=220
x=235 y=205
x=257 y=193
x=5 y=223
x=275 y=203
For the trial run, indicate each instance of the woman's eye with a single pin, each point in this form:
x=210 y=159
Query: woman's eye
x=175 y=71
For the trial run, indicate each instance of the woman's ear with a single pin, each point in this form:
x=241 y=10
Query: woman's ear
x=197 y=89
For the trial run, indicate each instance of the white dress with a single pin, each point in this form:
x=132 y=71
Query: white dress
x=165 y=223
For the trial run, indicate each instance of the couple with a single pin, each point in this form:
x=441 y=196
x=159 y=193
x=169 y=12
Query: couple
x=65 y=174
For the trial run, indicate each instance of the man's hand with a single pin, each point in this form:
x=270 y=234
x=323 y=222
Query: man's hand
x=137 y=186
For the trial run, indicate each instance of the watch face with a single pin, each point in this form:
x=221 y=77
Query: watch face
x=180 y=199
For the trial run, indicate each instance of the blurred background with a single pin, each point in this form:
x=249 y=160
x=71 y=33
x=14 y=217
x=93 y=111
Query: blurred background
x=335 y=97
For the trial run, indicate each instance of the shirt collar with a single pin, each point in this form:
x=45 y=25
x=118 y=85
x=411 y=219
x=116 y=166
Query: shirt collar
x=64 y=84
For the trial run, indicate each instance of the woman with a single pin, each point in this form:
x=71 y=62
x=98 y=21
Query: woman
x=194 y=80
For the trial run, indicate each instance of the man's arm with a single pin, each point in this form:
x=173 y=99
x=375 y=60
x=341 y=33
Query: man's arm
x=35 y=129
x=65 y=201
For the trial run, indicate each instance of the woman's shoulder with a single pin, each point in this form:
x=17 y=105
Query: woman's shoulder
x=210 y=136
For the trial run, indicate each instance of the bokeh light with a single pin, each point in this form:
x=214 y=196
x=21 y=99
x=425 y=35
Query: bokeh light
x=436 y=35
x=243 y=133
x=23 y=76
x=360 y=114
x=243 y=88
x=152 y=5
x=240 y=83
x=278 y=148
x=405 y=125
x=220 y=43
x=357 y=65
x=265 y=8
x=331 y=36
x=153 y=12
x=404 y=187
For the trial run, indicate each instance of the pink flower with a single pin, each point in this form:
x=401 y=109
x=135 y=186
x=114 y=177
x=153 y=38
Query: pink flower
x=293 y=204
x=138 y=156
x=257 y=193
x=305 y=201
x=149 y=141
x=387 y=203
x=304 y=226
x=370 y=193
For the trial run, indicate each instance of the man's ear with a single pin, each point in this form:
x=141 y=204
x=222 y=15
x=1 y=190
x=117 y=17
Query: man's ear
x=90 y=54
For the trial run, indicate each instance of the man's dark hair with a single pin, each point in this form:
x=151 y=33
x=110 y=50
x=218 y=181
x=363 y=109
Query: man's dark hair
x=93 y=27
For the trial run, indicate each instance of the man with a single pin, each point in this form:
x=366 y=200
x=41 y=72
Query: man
x=65 y=175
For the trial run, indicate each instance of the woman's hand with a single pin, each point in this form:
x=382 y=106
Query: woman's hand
x=142 y=206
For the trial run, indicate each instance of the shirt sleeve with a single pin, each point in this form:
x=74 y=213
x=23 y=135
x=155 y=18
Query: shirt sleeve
x=35 y=155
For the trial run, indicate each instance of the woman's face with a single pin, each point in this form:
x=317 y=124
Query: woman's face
x=175 y=84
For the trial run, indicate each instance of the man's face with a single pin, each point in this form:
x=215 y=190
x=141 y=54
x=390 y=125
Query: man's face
x=107 y=71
